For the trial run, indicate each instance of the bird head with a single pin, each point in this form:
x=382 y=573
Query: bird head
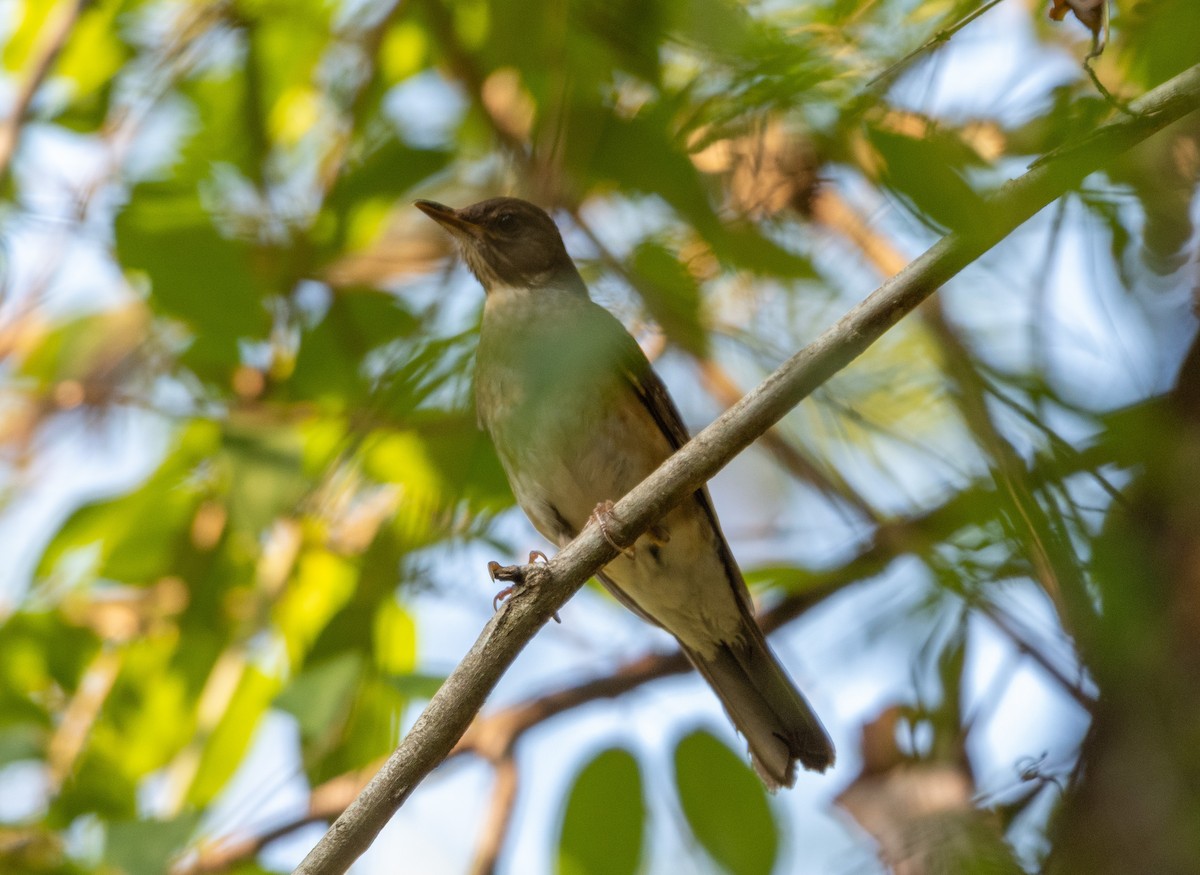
x=507 y=242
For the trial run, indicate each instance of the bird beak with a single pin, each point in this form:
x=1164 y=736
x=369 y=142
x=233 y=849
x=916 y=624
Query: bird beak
x=449 y=218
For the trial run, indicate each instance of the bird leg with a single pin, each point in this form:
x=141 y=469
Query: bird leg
x=601 y=516
x=514 y=574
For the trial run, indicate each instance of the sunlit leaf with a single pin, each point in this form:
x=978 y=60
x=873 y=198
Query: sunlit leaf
x=29 y=21
x=94 y=53
x=324 y=582
x=231 y=738
x=395 y=637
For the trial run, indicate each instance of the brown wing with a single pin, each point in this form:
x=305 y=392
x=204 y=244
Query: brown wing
x=659 y=404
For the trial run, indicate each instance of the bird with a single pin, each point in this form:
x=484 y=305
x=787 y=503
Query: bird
x=578 y=417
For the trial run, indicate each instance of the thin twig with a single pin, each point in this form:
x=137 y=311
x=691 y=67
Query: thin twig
x=937 y=39
x=1002 y=623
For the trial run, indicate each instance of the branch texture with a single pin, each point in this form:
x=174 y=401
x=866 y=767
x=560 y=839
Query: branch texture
x=452 y=709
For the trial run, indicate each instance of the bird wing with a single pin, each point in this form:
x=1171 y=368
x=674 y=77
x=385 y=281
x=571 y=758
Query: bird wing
x=650 y=390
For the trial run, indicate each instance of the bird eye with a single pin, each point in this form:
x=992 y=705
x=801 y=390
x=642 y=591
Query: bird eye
x=506 y=222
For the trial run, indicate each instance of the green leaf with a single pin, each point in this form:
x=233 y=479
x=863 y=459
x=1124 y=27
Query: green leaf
x=139 y=533
x=323 y=583
x=99 y=784
x=371 y=731
x=604 y=825
x=196 y=275
x=319 y=697
x=726 y=805
x=265 y=474
x=145 y=847
x=231 y=739
x=671 y=294
x=94 y=54
x=928 y=173
x=362 y=205
x=417 y=686
x=30 y=19
x=22 y=741
x=329 y=365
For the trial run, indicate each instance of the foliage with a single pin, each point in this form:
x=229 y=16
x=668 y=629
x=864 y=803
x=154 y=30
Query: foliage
x=212 y=268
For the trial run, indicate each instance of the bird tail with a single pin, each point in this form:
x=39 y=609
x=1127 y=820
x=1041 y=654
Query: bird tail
x=779 y=725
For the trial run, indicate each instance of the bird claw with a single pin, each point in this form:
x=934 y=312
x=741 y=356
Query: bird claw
x=601 y=516
x=516 y=575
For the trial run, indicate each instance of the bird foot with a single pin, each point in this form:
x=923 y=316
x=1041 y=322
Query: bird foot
x=514 y=574
x=601 y=516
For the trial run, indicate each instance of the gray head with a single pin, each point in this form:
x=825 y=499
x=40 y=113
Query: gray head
x=507 y=242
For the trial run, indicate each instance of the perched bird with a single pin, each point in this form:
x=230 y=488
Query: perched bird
x=579 y=418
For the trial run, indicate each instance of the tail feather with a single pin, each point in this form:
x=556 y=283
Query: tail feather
x=779 y=725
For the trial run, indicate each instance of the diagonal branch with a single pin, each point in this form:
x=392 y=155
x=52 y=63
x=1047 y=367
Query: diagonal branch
x=451 y=710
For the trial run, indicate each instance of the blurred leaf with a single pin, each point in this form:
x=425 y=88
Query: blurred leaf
x=99 y=784
x=138 y=533
x=329 y=368
x=722 y=26
x=375 y=178
x=145 y=847
x=1161 y=38
x=94 y=53
x=417 y=686
x=21 y=741
x=231 y=738
x=319 y=697
x=214 y=284
x=726 y=805
x=371 y=731
x=150 y=713
x=226 y=131
x=323 y=583
x=402 y=458
x=928 y=172
x=671 y=294
x=265 y=478
x=40 y=651
x=465 y=459
x=30 y=19
x=605 y=819
x=605 y=25
x=395 y=635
